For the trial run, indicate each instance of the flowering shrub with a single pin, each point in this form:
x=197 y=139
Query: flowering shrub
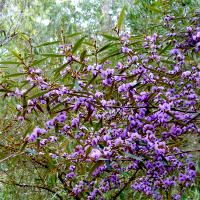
x=114 y=124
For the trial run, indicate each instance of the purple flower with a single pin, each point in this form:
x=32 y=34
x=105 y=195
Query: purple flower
x=134 y=59
x=70 y=175
x=43 y=142
x=74 y=122
x=160 y=147
x=174 y=51
x=177 y=196
x=122 y=88
x=62 y=118
x=189 y=28
x=186 y=74
x=36 y=132
x=19 y=107
x=20 y=118
x=164 y=107
x=53 y=138
x=72 y=168
x=95 y=153
x=17 y=91
x=126 y=50
x=98 y=94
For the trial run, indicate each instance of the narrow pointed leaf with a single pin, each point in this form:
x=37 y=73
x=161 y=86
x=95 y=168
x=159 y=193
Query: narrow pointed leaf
x=83 y=55
x=105 y=47
x=78 y=44
x=14 y=75
x=16 y=55
x=132 y=156
x=76 y=85
x=110 y=37
x=121 y=17
x=73 y=34
x=37 y=62
x=49 y=55
x=39 y=94
x=10 y=63
x=48 y=43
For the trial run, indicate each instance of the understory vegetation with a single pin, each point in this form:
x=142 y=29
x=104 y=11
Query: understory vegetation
x=100 y=100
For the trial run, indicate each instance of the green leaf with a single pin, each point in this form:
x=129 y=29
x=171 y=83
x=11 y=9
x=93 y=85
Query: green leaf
x=167 y=61
x=16 y=55
x=125 y=173
x=98 y=125
x=83 y=55
x=36 y=62
x=155 y=10
x=49 y=55
x=71 y=147
x=76 y=85
x=10 y=63
x=57 y=70
x=132 y=156
x=31 y=151
x=90 y=81
x=106 y=46
x=164 y=97
x=23 y=146
x=28 y=90
x=14 y=75
x=88 y=43
x=164 y=160
x=38 y=94
x=95 y=166
x=110 y=37
x=163 y=50
x=77 y=44
x=4 y=90
x=110 y=56
x=24 y=102
x=108 y=165
x=24 y=36
x=48 y=43
x=28 y=130
x=57 y=106
x=73 y=34
x=121 y=17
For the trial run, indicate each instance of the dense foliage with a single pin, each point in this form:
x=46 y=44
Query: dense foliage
x=90 y=121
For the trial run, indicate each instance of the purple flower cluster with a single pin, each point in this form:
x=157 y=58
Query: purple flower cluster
x=115 y=121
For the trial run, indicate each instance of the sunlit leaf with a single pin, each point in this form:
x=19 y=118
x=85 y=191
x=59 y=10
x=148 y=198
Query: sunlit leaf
x=74 y=34
x=49 y=55
x=77 y=44
x=10 y=63
x=16 y=55
x=121 y=17
x=48 y=43
x=37 y=62
x=110 y=37
x=14 y=75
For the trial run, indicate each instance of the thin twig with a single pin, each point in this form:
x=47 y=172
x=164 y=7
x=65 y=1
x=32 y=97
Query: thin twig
x=34 y=186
